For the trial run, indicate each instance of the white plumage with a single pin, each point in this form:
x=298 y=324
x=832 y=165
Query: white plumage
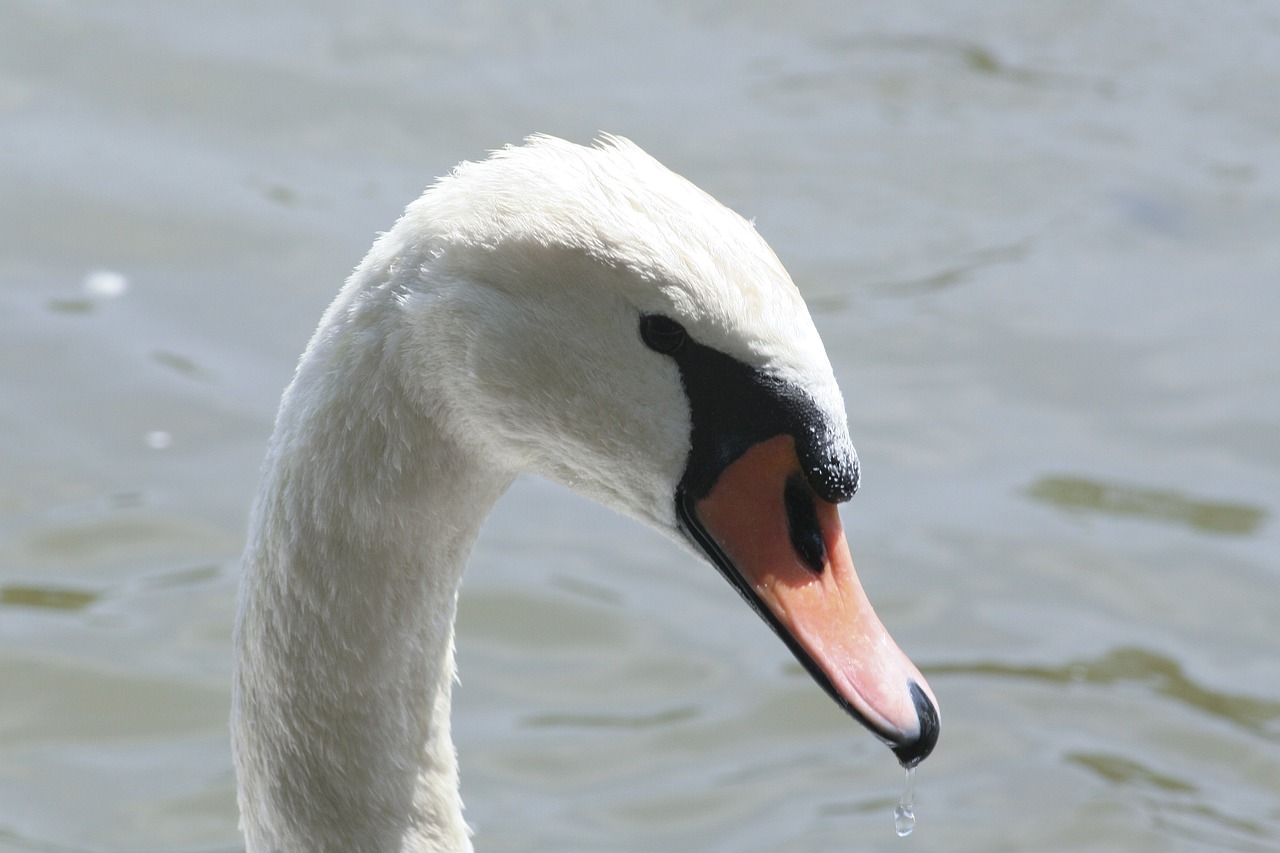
x=491 y=331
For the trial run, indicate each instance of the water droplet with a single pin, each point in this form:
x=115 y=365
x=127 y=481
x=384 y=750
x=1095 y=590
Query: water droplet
x=158 y=439
x=904 y=819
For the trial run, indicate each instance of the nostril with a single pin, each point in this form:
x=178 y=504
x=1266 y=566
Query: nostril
x=802 y=523
x=912 y=753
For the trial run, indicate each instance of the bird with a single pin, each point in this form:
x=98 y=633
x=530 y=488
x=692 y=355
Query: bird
x=575 y=312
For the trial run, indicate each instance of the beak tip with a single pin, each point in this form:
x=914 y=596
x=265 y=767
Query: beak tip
x=912 y=752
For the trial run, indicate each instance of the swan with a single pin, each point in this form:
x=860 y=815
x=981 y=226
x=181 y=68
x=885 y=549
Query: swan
x=583 y=314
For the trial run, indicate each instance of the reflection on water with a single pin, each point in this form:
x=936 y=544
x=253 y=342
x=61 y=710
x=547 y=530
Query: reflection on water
x=1125 y=771
x=972 y=55
x=1162 y=675
x=71 y=306
x=186 y=576
x=179 y=364
x=1182 y=775
x=1078 y=493
x=72 y=599
x=956 y=272
x=1172 y=802
x=612 y=721
x=864 y=59
x=51 y=598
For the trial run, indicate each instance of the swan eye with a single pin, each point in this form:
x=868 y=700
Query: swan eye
x=662 y=334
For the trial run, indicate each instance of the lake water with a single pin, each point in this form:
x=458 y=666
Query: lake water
x=1041 y=241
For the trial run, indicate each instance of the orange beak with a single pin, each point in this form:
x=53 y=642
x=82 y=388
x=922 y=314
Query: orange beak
x=784 y=548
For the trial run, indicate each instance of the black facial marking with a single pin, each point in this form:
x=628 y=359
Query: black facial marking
x=734 y=406
x=802 y=524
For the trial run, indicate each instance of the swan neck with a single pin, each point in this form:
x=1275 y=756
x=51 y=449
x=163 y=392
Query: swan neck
x=344 y=639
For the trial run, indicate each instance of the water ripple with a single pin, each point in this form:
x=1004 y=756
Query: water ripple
x=1082 y=494
x=1162 y=675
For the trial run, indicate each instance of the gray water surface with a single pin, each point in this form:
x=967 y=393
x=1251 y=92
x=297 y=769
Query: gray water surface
x=1041 y=241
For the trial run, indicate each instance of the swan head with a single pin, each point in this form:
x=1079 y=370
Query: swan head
x=585 y=314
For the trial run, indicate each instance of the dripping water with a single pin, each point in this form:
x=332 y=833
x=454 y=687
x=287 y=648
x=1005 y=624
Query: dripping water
x=904 y=818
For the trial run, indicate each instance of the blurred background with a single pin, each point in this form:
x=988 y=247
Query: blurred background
x=1041 y=241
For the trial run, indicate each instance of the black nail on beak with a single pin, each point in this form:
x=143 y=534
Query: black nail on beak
x=912 y=753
